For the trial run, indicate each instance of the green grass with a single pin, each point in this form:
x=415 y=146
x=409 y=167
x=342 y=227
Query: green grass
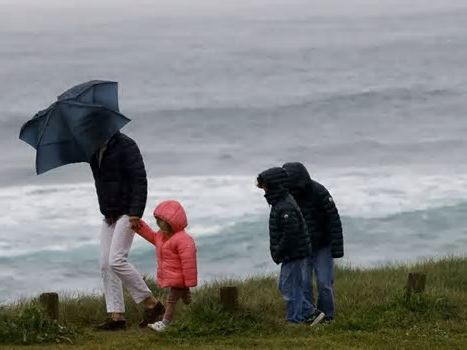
x=373 y=312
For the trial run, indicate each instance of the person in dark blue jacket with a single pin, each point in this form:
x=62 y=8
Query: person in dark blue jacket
x=121 y=187
x=289 y=245
x=325 y=231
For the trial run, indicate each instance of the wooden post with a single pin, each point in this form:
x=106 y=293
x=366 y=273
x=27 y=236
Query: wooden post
x=50 y=303
x=229 y=298
x=416 y=283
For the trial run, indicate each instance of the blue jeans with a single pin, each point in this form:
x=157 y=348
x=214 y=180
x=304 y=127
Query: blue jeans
x=292 y=287
x=322 y=263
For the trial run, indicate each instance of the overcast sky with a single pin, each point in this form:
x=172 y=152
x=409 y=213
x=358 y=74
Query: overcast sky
x=209 y=7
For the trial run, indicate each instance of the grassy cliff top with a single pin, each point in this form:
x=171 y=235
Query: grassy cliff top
x=373 y=312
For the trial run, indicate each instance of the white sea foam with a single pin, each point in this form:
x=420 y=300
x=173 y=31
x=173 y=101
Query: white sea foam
x=62 y=217
x=384 y=192
x=67 y=215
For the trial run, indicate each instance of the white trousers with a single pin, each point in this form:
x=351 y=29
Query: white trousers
x=116 y=271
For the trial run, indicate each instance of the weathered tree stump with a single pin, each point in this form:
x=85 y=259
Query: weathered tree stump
x=229 y=298
x=416 y=283
x=50 y=303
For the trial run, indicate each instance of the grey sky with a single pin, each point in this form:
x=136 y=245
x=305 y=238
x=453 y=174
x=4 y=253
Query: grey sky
x=254 y=7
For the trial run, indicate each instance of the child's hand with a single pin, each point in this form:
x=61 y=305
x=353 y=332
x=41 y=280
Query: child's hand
x=135 y=223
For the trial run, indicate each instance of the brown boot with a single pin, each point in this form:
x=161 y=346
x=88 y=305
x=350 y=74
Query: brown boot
x=152 y=315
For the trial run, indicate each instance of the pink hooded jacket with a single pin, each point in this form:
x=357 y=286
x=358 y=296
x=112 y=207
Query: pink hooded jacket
x=176 y=256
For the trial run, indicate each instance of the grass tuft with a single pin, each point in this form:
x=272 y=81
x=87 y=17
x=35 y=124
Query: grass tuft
x=27 y=324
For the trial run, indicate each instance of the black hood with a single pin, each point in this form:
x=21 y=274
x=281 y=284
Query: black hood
x=275 y=181
x=273 y=178
x=298 y=177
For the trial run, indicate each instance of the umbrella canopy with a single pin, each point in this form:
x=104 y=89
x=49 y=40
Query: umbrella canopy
x=99 y=92
x=70 y=132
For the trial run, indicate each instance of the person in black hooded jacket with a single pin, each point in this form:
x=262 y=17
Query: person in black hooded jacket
x=121 y=186
x=289 y=245
x=325 y=230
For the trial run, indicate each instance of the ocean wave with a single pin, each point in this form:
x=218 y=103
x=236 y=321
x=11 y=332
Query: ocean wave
x=40 y=217
x=367 y=97
x=220 y=199
x=437 y=231
x=9 y=252
x=397 y=149
x=377 y=95
x=383 y=192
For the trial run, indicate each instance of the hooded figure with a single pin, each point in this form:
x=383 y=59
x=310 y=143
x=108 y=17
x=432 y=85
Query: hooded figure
x=288 y=235
x=290 y=245
x=325 y=231
x=318 y=208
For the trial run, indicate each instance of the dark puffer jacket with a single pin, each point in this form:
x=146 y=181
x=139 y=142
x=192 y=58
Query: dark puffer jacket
x=289 y=239
x=318 y=208
x=120 y=180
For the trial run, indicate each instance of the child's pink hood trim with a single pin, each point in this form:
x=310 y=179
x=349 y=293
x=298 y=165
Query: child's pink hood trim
x=173 y=213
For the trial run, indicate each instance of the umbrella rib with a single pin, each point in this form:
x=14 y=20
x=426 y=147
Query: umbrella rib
x=44 y=128
x=71 y=133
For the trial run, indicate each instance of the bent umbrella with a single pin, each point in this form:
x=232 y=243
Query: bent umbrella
x=70 y=132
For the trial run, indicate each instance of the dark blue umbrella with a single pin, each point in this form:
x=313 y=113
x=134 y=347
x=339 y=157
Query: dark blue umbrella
x=96 y=92
x=70 y=131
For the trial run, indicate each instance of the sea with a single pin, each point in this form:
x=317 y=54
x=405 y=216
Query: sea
x=370 y=95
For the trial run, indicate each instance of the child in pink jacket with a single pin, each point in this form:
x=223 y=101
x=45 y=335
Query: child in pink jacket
x=176 y=256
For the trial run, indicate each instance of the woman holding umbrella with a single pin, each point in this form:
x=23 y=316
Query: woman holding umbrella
x=121 y=186
x=83 y=126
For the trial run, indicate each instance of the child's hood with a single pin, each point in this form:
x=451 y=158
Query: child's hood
x=173 y=213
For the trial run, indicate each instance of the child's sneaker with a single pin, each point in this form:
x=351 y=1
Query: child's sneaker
x=315 y=318
x=159 y=326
